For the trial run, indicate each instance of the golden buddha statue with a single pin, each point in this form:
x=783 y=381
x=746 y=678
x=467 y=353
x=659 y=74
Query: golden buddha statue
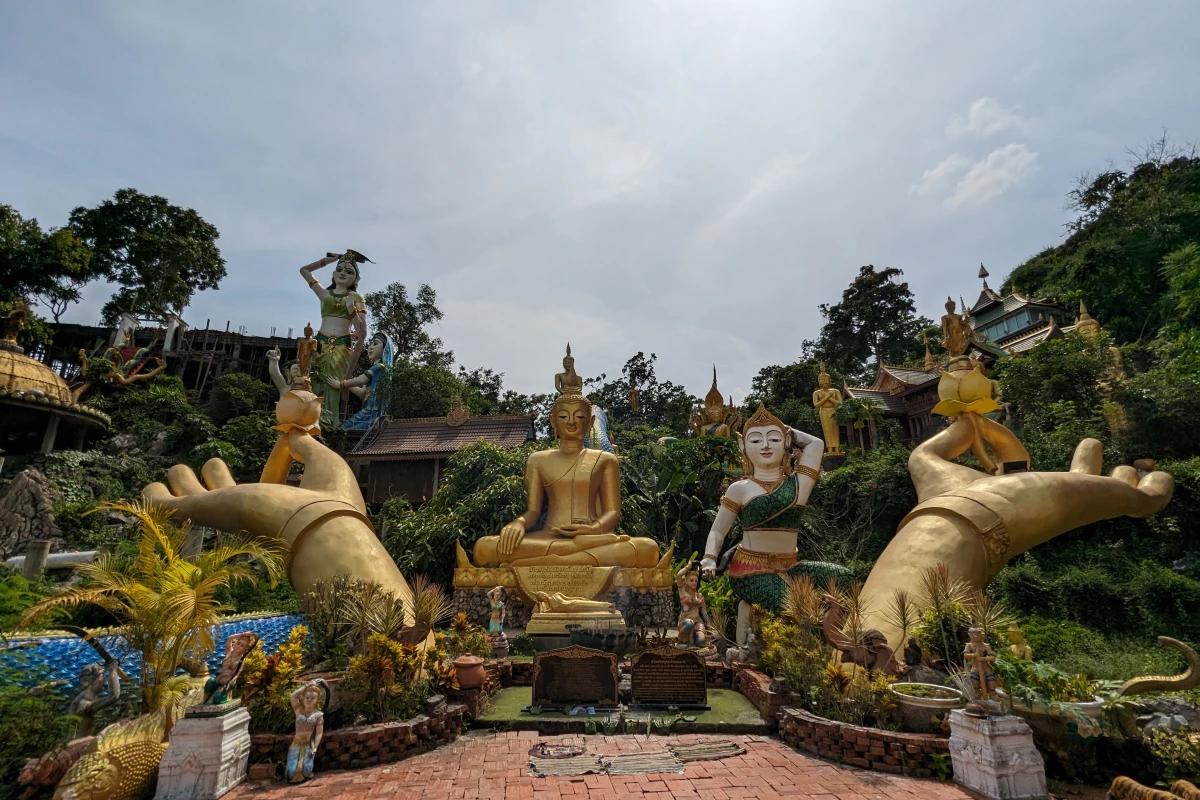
x=567 y=381
x=826 y=400
x=715 y=418
x=582 y=490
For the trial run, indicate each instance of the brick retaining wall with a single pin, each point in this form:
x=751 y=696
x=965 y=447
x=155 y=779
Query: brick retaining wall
x=367 y=745
x=869 y=748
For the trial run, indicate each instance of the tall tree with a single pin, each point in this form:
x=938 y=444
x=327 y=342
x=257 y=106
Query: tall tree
x=51 y=265
x=662 y=403
x=405 y=319
x=159 y=254
x=875 y=322
x=787 y=392
x=486 y=394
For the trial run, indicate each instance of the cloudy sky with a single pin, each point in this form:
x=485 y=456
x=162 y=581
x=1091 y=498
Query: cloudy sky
x=690 y=179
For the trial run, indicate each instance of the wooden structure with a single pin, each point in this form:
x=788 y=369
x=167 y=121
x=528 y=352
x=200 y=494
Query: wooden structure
x=405 y=457
x=905 y=394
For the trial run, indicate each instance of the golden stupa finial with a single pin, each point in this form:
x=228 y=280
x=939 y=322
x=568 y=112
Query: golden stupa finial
x=714 y=398
x=929 y=362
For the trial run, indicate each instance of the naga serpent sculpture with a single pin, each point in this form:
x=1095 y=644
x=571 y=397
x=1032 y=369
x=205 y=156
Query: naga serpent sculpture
x=1188 y=679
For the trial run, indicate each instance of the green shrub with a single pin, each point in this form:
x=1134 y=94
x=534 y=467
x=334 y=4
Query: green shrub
x=236 y=394
x=253 y=436
x=387 y=681
x=266 y=683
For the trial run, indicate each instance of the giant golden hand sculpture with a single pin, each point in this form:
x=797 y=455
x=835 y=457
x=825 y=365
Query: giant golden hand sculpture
x=974 y=522
x=322 y=523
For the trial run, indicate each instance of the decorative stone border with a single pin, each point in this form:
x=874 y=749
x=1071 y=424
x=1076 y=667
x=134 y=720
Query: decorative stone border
x=870 y=748
x=365 y=745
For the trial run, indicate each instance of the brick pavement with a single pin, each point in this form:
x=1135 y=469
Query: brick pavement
x=492 y=766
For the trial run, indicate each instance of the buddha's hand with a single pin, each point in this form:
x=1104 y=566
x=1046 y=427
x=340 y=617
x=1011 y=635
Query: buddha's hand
x=708 y=568
x=576 y=529
x=261 y=509
x=510 y=537
x=1035 y=506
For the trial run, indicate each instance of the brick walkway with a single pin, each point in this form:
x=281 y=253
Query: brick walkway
x=491 y=766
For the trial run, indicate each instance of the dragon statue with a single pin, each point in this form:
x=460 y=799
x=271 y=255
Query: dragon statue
x=113 y=368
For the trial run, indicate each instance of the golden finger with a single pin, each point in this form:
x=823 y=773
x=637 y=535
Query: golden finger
x=183 y=481
x=1127 y=474
x=1089 y=458
x=216 y=474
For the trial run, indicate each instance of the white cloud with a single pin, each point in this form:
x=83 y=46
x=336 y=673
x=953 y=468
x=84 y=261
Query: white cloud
x=936 y=180
x=985 y=117
x=1003 y=169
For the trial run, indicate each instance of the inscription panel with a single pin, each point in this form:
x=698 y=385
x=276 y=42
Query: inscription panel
x=575 y=676
x=668 y=676
x=572 y=580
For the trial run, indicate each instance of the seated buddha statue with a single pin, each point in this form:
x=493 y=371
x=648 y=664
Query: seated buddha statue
x=581 y=489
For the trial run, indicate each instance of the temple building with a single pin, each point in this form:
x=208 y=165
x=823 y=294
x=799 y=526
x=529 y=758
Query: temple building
x=1013 y=323
x=905 y=394
x=406 y=457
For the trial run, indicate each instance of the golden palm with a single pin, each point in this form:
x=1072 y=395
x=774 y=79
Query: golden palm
x=165 y=602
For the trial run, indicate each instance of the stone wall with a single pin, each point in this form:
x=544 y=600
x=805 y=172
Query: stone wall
x=869 y=748
x=366 y=745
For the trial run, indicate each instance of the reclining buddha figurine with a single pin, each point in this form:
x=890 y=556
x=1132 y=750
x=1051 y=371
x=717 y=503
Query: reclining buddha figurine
x=582 y=490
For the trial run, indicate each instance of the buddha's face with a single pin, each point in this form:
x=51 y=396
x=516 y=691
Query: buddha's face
x=823 y=380
x=568 y=363
x=765 y=447
x=571 y=420
x=950 y=306
x=345 y=275
x=1016 y=636
x=714 y=414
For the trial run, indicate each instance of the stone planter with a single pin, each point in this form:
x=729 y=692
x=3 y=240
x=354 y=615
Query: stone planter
x=1090 y=709
x=924 y=714
x=1066 y=733
x=470 y=671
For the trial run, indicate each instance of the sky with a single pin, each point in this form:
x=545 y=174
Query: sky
x=690 y=179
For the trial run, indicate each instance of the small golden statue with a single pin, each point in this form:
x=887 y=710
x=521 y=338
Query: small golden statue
x=714 y=418
x=582 y=488
x=634 y=398
x=826 y=400
x=955 y=330
x=305 y=348
x=14 y=321
x=567 y=381
x=1018 y=648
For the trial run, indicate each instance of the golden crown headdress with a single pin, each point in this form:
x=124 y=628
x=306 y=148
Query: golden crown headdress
x=763 y=418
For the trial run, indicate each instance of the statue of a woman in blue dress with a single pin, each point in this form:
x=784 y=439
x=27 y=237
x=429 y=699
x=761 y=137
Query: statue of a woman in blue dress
x=366 y=385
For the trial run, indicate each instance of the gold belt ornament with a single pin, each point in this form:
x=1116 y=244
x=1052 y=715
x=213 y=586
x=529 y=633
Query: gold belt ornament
x=756 y=561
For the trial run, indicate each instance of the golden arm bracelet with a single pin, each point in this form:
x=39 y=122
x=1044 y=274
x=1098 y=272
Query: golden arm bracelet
x=313 y=282
x=804 y=469
x=731 y=505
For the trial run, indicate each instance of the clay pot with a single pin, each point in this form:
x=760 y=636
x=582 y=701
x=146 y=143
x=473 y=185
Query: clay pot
x=469 y=669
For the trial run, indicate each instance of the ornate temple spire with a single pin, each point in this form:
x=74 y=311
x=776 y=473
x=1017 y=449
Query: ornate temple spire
x=714 y=397
x=929 y=362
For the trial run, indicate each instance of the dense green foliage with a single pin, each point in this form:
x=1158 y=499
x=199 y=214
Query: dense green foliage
x=51 y=265
x=31 y=722
x=405 y=320
x=1130 y=226
x=159 y=254
x=662 y=404
x=875 y=323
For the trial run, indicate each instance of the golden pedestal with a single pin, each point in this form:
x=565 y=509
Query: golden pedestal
x=570 y=580
x=556 y=623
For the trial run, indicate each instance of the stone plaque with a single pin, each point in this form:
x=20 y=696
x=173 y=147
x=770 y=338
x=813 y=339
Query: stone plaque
x=572 y=580
x=575 y=676
x=668 y=676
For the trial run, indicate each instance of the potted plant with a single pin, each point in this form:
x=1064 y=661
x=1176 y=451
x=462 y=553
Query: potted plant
x=1037 y=688
x=923 y=705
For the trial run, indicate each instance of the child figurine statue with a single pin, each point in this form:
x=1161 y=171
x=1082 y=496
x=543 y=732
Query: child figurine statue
x=692 y=612
x=495 y=626
x=310 y=727
x=979 y=657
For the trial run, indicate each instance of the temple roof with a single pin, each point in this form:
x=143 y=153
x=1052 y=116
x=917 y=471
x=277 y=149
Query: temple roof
x=891 y=403
x=436 y=437
x=29 y=383
x=1028 y=340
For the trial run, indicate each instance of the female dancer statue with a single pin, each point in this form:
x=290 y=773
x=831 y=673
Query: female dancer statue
x=366 y=385
x=769 y=501
x=343 y=330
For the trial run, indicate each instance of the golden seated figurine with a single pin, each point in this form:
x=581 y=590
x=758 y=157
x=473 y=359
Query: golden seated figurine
x=583 y=488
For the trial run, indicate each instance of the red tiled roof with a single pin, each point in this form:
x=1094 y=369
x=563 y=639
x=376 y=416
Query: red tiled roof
x=408 y=439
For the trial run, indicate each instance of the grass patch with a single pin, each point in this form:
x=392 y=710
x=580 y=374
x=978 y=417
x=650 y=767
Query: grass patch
x=727 y=708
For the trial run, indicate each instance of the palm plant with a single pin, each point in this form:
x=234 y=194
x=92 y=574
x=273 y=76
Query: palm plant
x=802 y=601
x=430 y=605
x=902 y=612
x=165 y=602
